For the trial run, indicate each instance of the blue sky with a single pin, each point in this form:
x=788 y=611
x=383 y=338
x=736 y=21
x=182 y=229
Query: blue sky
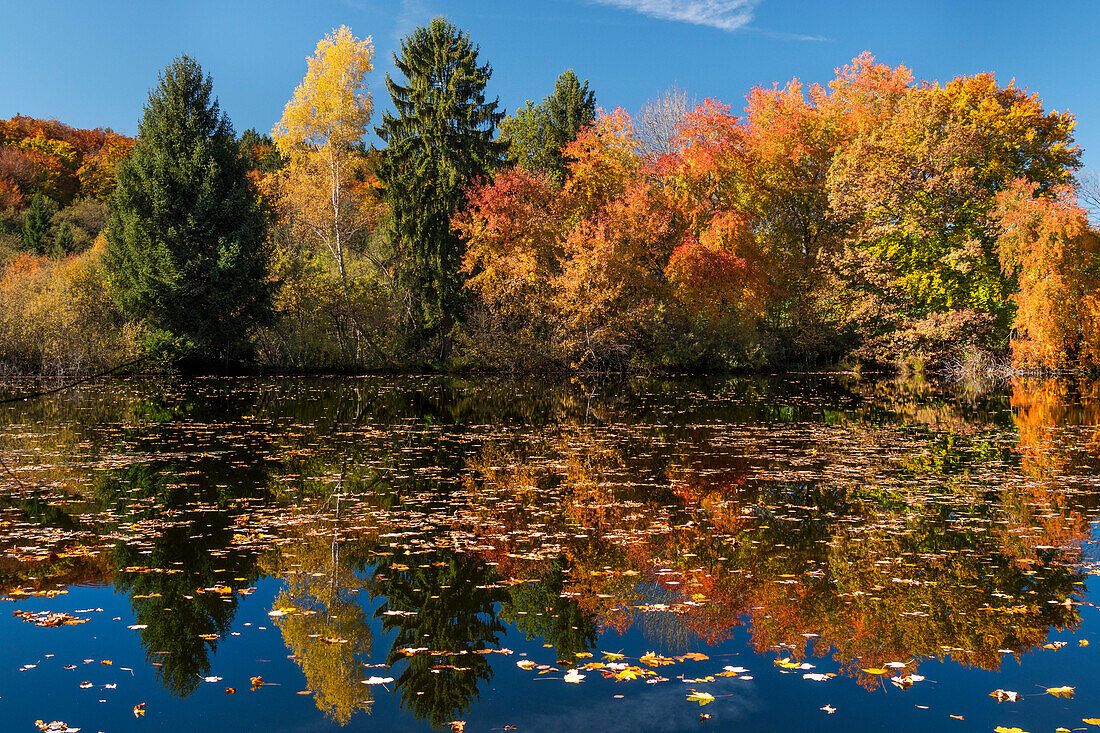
x=91 y=62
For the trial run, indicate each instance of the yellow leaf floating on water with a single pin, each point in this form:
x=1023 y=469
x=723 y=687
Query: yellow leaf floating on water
x=701 y=697
x=1002 y=729
x=612 y=656
x=1083 y=642
x=525 y=664
x=1064 y=691
x=957 y=717
x=875 y=670
x=1091 y=721
x=653 y=659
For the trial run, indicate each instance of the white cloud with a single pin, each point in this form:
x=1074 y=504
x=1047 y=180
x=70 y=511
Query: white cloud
x=727 y=15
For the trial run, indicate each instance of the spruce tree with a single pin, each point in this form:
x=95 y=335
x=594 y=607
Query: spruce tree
x=186 y=234
x=36 y=223
x=440 y=139
x=536 y=133
x=63 y=242
x=570 y=108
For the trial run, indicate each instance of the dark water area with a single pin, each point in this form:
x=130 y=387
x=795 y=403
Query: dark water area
x=789 y=553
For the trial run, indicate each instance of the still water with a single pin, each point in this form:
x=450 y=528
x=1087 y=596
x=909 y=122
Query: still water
x=760 y=554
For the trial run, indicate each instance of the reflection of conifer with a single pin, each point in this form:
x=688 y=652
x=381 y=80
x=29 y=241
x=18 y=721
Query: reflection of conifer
x=460 y=617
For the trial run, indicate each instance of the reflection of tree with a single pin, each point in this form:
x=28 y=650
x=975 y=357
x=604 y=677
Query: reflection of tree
x=887 y=543
x=539 y=609
x=444 y=602
x=326 y=628
x=170 y=570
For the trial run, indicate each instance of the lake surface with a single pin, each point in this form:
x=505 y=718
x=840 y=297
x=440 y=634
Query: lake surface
x=760 y=554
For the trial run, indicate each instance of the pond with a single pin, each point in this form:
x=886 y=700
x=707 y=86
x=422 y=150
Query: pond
x=819 y=552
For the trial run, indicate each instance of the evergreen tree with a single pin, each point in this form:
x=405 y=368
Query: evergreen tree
x=36 y=223
x=536 y=133
x=571 y=107
x=186 y=234
x=440 y=140
x=63 y=242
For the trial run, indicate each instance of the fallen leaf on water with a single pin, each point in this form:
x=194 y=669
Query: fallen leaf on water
x=457 y=726
x=1064 y=691
x=1003 y=695
x=1002 y=729
x=705 y=716
x=139 y=710
x=700 y=697
x=257 y=682
x=612 y=656
x=828 y=709
x=956 y=717
x=377 y=680
x=653 y=659
x=875 y=670
x=573 y=676
x=1091 y=721
x=525 y=664
x=231 y=691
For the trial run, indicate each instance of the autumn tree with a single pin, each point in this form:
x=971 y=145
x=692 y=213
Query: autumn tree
x=918 y=183
x=318 y=133
x=186 y=235
x=1049 y=249
x=440 y=139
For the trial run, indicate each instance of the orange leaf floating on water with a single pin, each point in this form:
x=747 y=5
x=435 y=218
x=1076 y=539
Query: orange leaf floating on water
x=257 y=682
x=693 y=656
x=457 y=726
x=1064 y=691
x=957 y=717
x=231 y=691
x=139 y=710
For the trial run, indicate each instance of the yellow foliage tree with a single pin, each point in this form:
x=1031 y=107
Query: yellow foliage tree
x=321 y=189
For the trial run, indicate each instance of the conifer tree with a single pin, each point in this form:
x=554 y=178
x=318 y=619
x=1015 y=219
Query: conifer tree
x=571 y=107
x=36 y=223
x=63 y=242
x=440 y=140
x=186 y=233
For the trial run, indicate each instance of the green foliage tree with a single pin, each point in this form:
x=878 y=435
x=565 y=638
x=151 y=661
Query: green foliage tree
x=36 y=223
x=440 y=140
x=186 y=233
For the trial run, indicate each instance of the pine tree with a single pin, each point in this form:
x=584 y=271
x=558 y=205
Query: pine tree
x=36 y=223
x=186 y=234
x=440 y=140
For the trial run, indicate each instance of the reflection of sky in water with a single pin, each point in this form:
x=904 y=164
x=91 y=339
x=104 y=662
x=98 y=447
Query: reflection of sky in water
x=808 y=485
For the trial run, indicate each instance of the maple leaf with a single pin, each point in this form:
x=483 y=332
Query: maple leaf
x=703 y=698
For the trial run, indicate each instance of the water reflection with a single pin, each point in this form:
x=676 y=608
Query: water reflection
x=866 y=521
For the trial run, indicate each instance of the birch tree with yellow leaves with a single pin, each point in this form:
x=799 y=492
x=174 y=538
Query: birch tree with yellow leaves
x=324 y=191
